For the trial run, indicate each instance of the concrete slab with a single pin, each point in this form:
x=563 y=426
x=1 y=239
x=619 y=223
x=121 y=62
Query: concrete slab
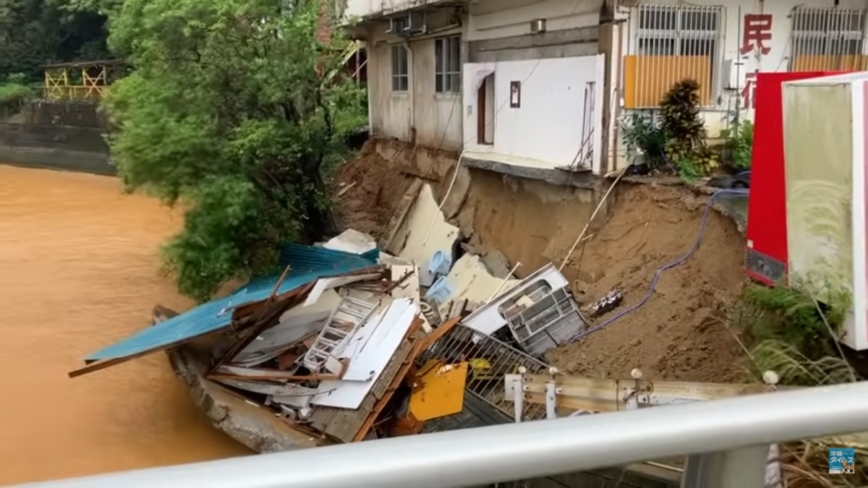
x=248 y=423
x=427 y=230
x=456 y=198
x=472 y=282
x=528 y=168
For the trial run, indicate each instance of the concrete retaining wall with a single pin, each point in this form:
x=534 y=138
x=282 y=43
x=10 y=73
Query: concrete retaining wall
x=57 y=135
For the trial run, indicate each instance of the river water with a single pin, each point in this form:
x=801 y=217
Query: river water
x=79 y=269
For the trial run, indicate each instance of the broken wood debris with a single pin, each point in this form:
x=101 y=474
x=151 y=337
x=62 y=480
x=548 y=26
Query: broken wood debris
x=338 y=346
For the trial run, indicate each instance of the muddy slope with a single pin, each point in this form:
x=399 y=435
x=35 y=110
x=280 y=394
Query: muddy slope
x=367 y=190
x=674 y=336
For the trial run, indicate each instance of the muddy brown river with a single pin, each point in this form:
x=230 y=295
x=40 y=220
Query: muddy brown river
x=79 y=269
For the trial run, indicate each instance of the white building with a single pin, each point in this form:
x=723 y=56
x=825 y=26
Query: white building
x=543 y=83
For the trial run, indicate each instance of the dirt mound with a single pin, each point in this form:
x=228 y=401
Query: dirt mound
x=367 y=190
x=676 y=334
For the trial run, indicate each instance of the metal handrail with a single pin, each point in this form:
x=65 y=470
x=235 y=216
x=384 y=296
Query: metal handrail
x=500 y=453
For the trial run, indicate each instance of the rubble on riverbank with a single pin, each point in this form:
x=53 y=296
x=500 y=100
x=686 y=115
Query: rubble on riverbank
x=353 y=343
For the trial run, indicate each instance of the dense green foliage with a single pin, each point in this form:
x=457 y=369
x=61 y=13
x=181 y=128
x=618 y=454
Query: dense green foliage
x=231 y=110
x=676 y=135
x=38 y=32
x=643 y=134
x=13 y=95
x=686 y=145
x=790 y=316
x=739 y=145
x=789 y=332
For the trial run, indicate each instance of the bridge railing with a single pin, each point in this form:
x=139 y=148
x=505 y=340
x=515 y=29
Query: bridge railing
x=732 y=436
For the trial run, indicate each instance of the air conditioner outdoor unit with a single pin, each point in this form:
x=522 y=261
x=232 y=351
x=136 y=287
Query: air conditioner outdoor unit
x=537 y=26
x=397 y=25
x=415 y=23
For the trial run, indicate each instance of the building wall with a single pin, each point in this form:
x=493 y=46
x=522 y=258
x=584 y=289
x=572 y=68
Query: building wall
x=747 y=44
x=548 y=124
x=435 y=116
x=554 y=68
x=495 y=19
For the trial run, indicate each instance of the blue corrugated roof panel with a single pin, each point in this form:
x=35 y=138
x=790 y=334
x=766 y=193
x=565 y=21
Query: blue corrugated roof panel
x=306 y=258
x=307 y=265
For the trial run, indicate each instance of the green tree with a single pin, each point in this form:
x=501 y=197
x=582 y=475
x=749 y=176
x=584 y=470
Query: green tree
x=233 y=111
x=36 y=32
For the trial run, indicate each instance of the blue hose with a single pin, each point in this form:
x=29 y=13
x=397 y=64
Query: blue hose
x=660 y=270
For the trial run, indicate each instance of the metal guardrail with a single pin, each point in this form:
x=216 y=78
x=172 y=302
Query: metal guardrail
x=490 y=361
x=733 y=431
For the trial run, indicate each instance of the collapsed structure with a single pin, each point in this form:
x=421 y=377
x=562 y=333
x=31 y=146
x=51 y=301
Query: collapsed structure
x=352 y=342
x=361 y=340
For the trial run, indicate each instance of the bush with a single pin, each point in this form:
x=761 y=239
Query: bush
x=790 y=316
x=643 y=135
x=679 y=111
x=788 y=332
x=13 y=96
x=739 y=145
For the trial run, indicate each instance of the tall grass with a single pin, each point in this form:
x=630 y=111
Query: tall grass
x=789 y=332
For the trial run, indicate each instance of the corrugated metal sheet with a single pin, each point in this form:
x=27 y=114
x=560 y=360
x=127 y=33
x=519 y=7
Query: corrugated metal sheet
x=308 y=258
x=307 y=264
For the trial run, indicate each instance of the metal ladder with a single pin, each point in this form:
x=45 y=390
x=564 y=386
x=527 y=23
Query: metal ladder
x=350 y=312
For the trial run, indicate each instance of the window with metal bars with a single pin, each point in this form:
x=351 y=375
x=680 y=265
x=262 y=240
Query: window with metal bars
x=673 y=43
x=447 y=72
x=827 y=39
x=400 y=69
x=678 y=30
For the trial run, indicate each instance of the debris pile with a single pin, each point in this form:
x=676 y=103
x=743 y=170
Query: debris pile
x=359 y=340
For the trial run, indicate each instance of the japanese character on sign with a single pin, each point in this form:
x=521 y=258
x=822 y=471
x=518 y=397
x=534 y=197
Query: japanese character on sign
x=757 y=30
x=842 y=460
x=748 y=93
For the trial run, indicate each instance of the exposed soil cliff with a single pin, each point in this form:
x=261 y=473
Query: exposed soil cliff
x=676 y=335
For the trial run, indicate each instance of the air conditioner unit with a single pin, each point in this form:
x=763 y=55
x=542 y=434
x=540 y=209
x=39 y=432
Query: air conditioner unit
x=397 y=25
x=415 y=23
x=734 y=74
x=537 y=26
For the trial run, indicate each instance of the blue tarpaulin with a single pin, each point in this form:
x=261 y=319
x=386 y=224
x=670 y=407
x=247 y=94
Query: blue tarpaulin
x=307 y=264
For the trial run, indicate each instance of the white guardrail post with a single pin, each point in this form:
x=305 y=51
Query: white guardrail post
x=487 y=455
x=737 y=468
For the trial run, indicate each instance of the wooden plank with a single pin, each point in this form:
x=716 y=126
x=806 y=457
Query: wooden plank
x=386 y=394
x=439 y=332
x=266 y=317
x=403 y=363
x=244 y=312
x=345 y=424
x=271 y=377
x=400 y=215
x=348 y=425
x=107 y=363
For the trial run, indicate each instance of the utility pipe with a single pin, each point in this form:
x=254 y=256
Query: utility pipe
x=508 y=452
x=411 y=90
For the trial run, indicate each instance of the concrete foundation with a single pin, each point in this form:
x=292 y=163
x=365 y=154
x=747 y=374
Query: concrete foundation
x=244 y=421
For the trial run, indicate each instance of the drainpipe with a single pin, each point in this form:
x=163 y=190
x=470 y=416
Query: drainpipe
x=411 y=88
x=619 y=89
